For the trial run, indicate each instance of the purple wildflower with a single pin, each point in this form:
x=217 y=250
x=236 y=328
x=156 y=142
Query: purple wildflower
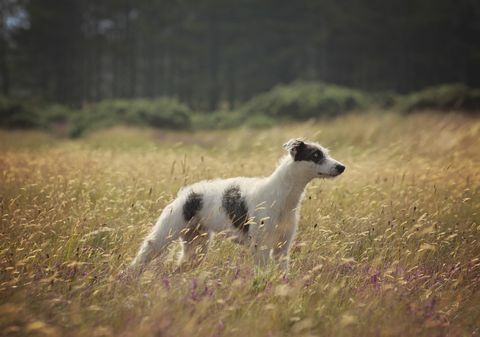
x=374 y=280
x=166 y=282
x=193 y=293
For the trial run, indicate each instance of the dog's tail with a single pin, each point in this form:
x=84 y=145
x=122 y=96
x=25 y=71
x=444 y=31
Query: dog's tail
x=166 y=230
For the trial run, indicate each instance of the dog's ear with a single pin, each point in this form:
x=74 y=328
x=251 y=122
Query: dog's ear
x=293 y=146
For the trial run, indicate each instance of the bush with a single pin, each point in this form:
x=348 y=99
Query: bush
x=24 y=114
x=260 y=122
x=443 y=97
x=218 y=120
x=384 y=99
x=16 y=114
x=55 y=113
x=159 y=113
x=296 y=101
x=303 y=100
x=230 y=119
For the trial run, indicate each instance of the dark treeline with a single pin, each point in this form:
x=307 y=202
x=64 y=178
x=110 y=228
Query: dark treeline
x=216 y=53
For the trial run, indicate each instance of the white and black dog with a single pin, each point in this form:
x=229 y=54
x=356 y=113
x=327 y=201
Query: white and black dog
x=260 y=212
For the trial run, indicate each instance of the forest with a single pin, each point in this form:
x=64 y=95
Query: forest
x=214 y=54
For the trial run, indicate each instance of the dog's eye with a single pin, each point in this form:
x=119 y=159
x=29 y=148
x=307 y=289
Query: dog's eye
x=317 y=155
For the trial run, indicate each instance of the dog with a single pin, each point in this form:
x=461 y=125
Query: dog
x=261 y=212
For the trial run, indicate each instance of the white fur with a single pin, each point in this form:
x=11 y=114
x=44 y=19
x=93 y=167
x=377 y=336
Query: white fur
x=273 y=208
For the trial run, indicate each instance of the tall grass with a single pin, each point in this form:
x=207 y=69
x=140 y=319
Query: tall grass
x=390 y=248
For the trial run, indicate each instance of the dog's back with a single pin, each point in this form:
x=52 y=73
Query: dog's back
x=225 y=204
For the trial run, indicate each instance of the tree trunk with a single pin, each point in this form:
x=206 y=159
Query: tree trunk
x=4 y=71
x=4 y=68
x=231 y=85
x=213 y=64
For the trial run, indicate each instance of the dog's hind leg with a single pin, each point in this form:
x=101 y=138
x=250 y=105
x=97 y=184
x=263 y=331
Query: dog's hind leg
x=167 y=229
x=261 y=255
x=195 y=243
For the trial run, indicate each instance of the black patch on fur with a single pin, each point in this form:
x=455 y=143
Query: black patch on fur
x=236 y=207
x=305 y=152
x=192 y=206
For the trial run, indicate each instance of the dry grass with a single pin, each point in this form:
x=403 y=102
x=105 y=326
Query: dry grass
x=391 y=248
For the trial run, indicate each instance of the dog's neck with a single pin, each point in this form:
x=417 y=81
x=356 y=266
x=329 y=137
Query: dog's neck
x=288 y=182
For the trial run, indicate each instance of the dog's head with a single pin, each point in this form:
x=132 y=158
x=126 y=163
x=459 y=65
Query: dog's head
x=313 y=158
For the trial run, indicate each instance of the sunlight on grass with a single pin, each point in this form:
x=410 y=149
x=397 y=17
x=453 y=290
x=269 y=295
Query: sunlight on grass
x=390 y=248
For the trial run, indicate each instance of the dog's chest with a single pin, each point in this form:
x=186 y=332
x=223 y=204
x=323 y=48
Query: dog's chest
x=272 y=216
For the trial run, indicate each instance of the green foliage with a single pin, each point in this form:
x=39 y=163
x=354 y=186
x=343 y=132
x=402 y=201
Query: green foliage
x=260 y=122
x=231 y=119
x=218 y=120
x=30 y=114
x=17 y=114
x=296 y=101
x=443 y=97
x=385 y=99
x=56 y=113
x=159 y=113
x=303 y=100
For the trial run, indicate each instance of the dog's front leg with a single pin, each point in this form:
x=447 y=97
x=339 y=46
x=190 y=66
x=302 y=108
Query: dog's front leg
x=281 y=249
x=261 y=255
x=280 y=254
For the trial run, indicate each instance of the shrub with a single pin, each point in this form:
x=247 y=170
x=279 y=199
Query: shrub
x=218 y=120
x=55 y=113
x=303 y=100
x=21 y=114
x=443 y=97
x=159 y=113
x=385 y=99
x=259 y=122
x=18 y=114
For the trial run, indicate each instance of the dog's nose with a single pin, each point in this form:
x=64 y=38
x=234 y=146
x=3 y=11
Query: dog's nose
x=340 y=168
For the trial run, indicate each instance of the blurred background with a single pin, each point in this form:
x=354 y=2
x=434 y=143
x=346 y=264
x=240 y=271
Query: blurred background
x=74 y=65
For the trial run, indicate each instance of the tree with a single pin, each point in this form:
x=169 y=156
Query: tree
x=212 y=53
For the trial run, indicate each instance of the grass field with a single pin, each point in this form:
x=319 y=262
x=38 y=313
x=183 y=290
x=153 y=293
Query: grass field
x=390 y=248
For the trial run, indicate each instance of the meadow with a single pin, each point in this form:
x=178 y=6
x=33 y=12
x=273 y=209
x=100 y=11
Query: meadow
x=390 y=248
